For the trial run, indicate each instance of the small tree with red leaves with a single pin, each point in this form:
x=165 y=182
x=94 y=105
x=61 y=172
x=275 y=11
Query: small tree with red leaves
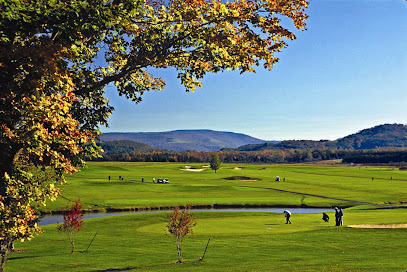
x=73 y=222
x=180 y=224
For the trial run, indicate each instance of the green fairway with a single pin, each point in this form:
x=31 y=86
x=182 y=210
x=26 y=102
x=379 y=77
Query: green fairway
x=209 y=188
x=239 y=242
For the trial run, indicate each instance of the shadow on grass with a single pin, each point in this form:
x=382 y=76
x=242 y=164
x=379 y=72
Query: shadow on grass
x=115 y=269
x=9 y=258
x=135 y=268
x=22 y=257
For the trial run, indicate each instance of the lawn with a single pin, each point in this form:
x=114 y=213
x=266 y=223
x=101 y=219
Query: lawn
x=209 y=188
x=240 y=241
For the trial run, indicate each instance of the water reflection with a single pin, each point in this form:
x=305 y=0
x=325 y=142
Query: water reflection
x=53 y=219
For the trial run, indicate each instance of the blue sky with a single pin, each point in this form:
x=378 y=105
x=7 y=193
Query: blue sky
x=347 y=72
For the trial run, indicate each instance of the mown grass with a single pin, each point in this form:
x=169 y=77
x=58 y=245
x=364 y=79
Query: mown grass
x=210 y=188
x=239 y=242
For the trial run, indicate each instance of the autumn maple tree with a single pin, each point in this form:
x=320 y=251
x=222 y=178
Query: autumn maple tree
x=180 y=224
x=57 y=57
x=73 y=223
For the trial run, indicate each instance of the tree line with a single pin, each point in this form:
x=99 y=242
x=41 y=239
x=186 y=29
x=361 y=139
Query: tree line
x=266 y=156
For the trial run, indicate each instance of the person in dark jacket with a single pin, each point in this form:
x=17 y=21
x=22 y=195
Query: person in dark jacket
x=340 y=217
x=287 y=216
x=337 y=216
x=325 y=217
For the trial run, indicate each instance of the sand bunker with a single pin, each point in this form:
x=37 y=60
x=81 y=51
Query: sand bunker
x=189 y=168
x=383 y=226
x=194 y=170
x=237 y=168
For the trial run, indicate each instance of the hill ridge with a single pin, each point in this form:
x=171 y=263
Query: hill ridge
x=181 y=140
x=380 y=136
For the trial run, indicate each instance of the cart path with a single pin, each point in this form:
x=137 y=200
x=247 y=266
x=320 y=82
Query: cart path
x=326 y=197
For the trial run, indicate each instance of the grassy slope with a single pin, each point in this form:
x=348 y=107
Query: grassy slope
x=239 y=242
x=202 y=188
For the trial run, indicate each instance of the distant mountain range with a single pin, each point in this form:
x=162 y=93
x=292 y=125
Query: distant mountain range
x=382 y=136
x=181 y=140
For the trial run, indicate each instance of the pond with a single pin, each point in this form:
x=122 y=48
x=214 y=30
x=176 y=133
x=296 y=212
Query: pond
x=53 y=219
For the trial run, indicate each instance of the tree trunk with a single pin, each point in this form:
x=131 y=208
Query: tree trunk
x=11 y=247
x=179 y=251
x=72 y=240
x=5 y=245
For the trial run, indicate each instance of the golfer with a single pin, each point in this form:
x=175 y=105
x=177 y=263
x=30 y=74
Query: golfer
x=325 y=217
x=340 y=217
x=337 y=216
x=287 y=216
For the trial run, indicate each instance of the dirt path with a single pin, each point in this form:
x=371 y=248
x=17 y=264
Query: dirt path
x=326 y=197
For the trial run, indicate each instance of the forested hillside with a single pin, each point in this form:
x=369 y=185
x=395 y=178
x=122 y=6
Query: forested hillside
x=181 y=140
x=382 y=136
x=125 y=146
